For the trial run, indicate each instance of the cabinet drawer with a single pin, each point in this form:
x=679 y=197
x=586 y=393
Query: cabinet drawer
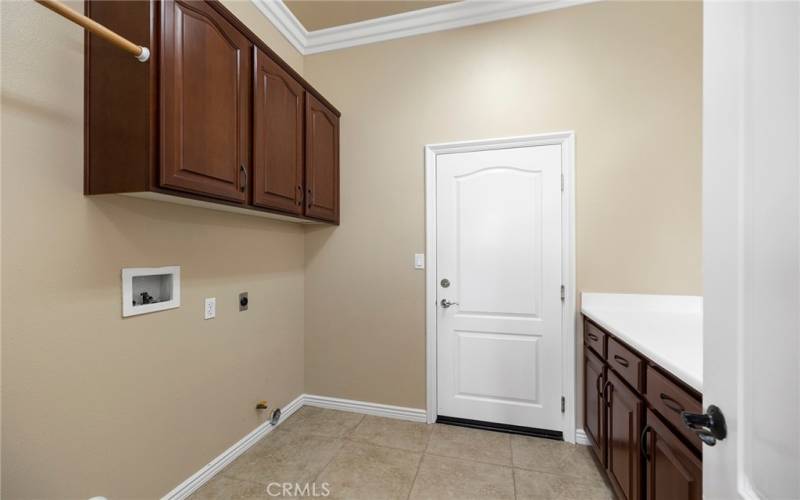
x=626 y=363
x=669 y=400
x=594 y=338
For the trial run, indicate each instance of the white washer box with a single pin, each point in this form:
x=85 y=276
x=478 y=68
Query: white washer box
x=150 y=289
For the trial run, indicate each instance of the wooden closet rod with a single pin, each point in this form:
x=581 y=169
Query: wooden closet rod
x=140 y=53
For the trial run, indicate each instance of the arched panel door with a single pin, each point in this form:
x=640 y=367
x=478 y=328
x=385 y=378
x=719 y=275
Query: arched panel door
x=278 y=138
x=205 y=68
x=322 y=161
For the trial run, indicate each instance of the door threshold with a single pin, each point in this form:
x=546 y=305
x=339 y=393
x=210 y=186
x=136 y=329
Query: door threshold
x=507 y=428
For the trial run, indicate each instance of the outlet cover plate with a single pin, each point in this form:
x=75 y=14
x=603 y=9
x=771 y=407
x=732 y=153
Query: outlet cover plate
x=211 y=308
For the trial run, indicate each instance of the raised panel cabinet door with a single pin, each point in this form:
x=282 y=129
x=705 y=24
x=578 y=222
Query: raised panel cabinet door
x=205 y=102
x=322 y=161
x=278 y=137
x=624 y=412
x=594 y=414
x=672 y=470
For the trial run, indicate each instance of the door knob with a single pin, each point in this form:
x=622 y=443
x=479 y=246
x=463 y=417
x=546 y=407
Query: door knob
x=709 y=426
x=445 y=303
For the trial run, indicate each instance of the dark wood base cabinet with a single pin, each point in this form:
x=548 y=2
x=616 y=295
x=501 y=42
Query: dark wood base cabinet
x=672 y=469
x=214 y=116
x=632 y=419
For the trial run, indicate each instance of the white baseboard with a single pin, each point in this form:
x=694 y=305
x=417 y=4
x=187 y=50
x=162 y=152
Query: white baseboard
x=380 y=410
x=202 y=476
x=581 y=438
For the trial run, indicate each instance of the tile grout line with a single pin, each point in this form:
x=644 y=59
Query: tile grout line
x=419 y=465
x=339 y=452
x=513 y=471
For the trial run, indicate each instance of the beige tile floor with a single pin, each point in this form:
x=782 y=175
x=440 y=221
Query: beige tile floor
x=352 y=456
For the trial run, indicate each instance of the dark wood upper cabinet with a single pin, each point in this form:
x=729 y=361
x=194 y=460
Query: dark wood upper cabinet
x=277 y=137
x=322 y=161
x=214 y=118
x=593 y=404
x=624 y=424
x=673 y=471
x=205 y=108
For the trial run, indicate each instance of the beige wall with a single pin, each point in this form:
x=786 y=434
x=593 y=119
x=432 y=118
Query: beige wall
x=97 y=405
x=94 y=404
x=625 y=76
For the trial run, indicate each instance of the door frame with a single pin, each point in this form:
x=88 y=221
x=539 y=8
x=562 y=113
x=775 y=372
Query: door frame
x=566 y=140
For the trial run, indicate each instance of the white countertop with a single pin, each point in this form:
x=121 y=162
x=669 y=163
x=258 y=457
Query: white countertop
x=668 y=329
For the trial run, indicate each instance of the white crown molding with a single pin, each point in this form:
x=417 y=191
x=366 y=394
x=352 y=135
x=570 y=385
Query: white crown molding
x=417 y=22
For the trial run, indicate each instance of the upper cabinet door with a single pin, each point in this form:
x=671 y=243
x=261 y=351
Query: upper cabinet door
x=322 y=161
x=278 y=138
x=205 y=102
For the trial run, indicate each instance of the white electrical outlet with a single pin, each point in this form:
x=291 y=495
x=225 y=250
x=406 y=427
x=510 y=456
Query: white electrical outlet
x=211 y=308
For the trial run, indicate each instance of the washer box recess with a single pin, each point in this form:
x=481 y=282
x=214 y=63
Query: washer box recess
x=150 y=289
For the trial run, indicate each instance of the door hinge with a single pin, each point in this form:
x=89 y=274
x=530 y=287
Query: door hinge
x=563 y=404
x=562 y=293
x=562 y=183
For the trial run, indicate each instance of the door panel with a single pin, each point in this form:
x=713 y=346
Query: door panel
x=593 y=404
x=322 y=161
x=278 y=138
x=205 y=70
x=499 y=245
x=751 y=243
x=624 y=424
x=673 y=471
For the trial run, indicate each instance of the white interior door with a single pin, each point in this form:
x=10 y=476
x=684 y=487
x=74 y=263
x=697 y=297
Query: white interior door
x=751 y=210
x=498 y=224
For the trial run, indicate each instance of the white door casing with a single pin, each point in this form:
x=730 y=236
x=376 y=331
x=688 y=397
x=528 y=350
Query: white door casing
x=502 y=235
x=751 y=241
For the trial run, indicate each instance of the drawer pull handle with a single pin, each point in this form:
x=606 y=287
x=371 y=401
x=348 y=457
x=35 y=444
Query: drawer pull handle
x=593 y=336
x=599 y=389
x=619 y=359
x=671 y=403
x=643 y=441
x=607 y=389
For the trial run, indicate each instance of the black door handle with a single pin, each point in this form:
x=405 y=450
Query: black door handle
x=709 y=426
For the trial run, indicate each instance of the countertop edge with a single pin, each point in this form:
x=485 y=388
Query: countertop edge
x=664 y=363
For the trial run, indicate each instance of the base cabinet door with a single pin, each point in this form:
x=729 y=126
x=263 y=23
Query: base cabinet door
x=277 y=137
x=205 y=102
x=624 y=414
x=672 y=470
x=322 y=161
x=594 y=413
